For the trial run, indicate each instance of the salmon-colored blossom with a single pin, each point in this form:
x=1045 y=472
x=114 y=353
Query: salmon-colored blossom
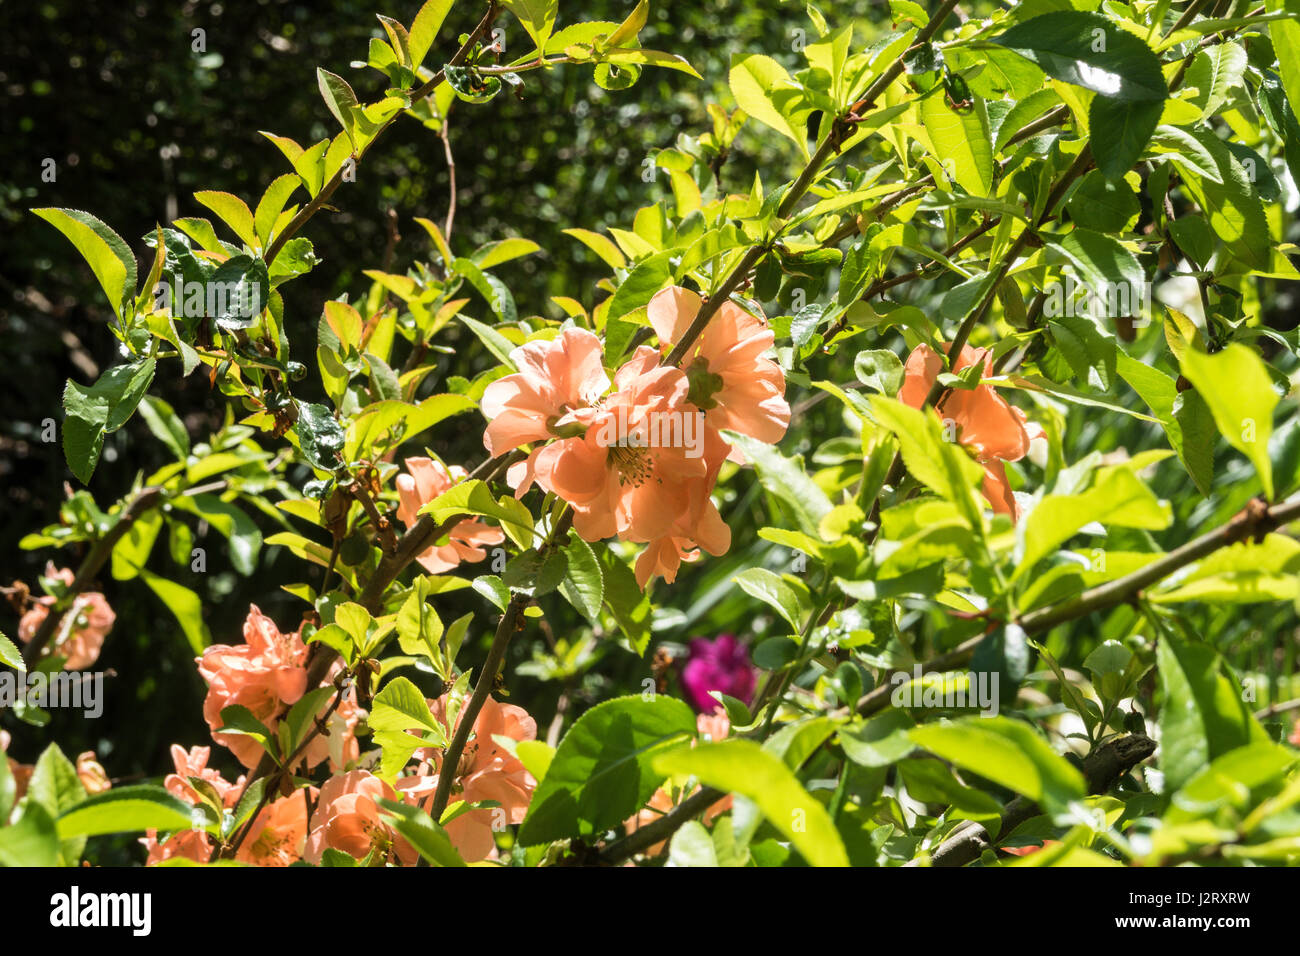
x=557 y=384
x=92 y=774
x=278 y=835
x=711 y=727
x=623 y=477
x=991 y=429
x=729 y=379
x=191 y=844
x=486 y=771
x=194 y=763
x=79 y=636
x=268 y=674
x=21 y=772
x=426 y=480
x=348 y=818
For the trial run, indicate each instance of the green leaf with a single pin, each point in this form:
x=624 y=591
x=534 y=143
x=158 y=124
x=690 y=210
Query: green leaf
x=475 y=498
x=1239 y=392
x=424 y=29
x=32 y=841
x=1007 y=752
x=602 y=771
x=775 y=591
x=1117 y=498
x=646 y=278
x=429 y=839
x=1101 y=263
x=339 y=98
x=764 y=90
x=1231 y=206
x=880 y=369
x=1203 y=716
x=787 y=481
x=584 y=582
x=942 y=466
x=109 y=256
x=185 y=605
x=1089 y=50
x=879 y=741
x=125 y=810
x=320 y=435
x=272 y=204
x=104 y=407
x=537 y=17
x=166 y=425
x=10 y=656
x=233 y=211
x=1127 y=130
x=961 y=141
x=1101 y=205
x=743 y=767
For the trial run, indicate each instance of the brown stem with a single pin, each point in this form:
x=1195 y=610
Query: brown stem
x=1101 y=769
x=511 y=621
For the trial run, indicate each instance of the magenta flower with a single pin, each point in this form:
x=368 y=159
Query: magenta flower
x=721 y=664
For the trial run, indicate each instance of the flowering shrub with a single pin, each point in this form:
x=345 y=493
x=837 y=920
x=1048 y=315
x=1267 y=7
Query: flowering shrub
x=828 y=480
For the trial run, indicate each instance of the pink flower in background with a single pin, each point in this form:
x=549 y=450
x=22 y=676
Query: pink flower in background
x=80 y=635
x=993 y=430
x=1295 y=733
x=556 y=385
x=427 y=479
x=723 y=665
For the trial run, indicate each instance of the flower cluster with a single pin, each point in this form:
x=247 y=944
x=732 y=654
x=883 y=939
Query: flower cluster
x=268 y=674
x=640 y=462
x=81 y=633
x=991 y=429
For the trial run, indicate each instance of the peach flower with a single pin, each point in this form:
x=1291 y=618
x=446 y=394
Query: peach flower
x=348 y=818
x=711 y=728
x=990 y=428
x=643 y=470
x=194 y=763
x=268 y=674
x=21 y=772
x=730 y=380
x=190 y=844
x=91 y=774
x=427 y=479
x=486 y=771
x=278 y=835
x=80 y=635
x=557 y=382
